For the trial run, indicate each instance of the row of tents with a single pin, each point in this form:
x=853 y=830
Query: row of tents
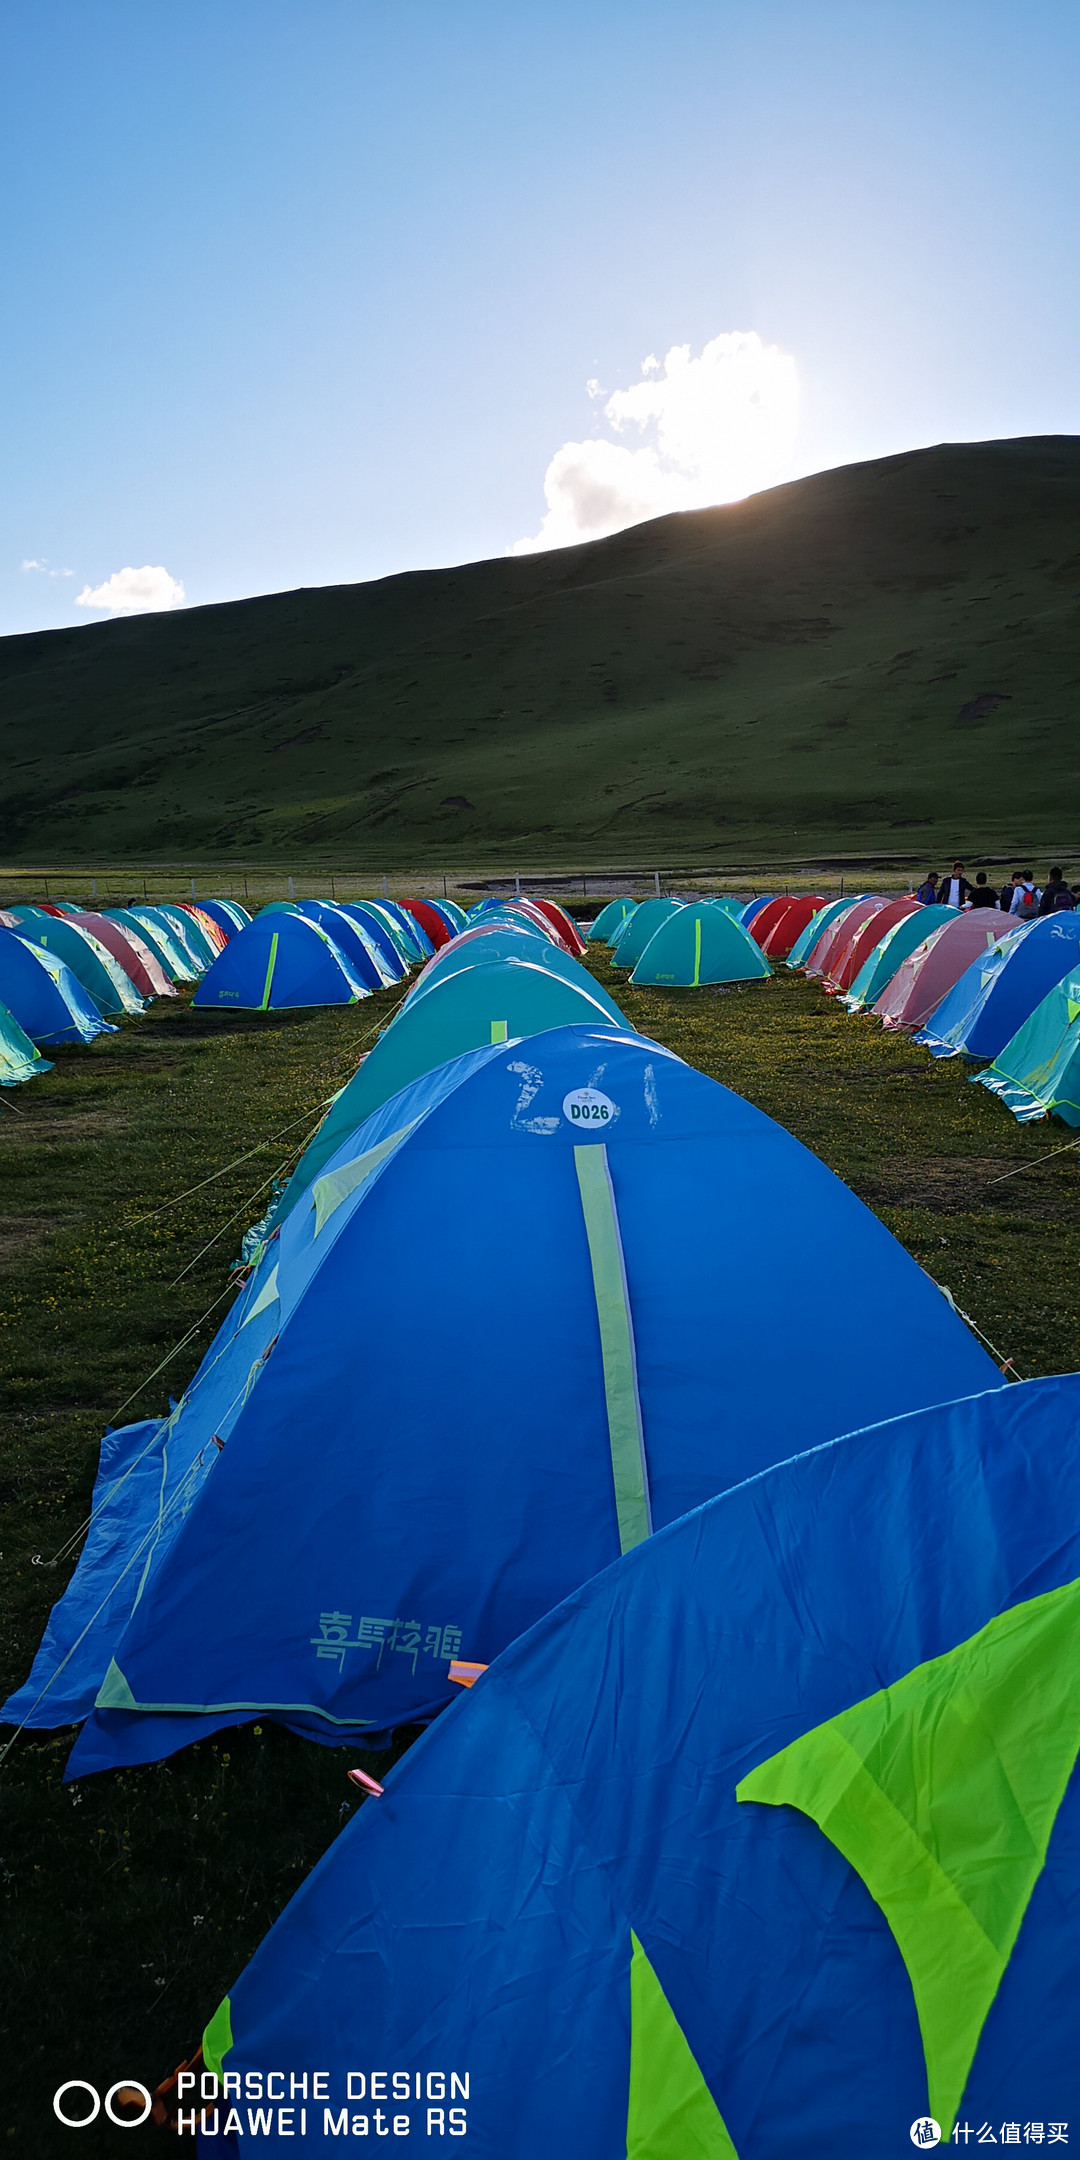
x=69 y=974
x=966 y=984
x=746 y=1819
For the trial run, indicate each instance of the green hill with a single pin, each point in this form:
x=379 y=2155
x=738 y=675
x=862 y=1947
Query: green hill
x=884 y=657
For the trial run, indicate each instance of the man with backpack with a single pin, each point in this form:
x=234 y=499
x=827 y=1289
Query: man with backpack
x=1025 y=896
x=1057 y=894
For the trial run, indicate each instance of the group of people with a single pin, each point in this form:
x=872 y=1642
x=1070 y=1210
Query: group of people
x=1020 y=896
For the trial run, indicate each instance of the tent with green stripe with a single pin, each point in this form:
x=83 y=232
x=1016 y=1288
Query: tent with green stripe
x=346 y=1500
x=609 y=919
x=700 y=943
x=629 y=941
x=1038 y=1073
x=277 y=961
x=463 y=1010
x=765 y=1844
x=109 y=985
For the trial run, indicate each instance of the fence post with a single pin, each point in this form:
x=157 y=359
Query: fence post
x=444 y=885
x=386 y=886
x=93 y=888
x=193 y=888
x=841 y=888
x=245 y=888
x=656 y=875
x=333 y=893
x=290 y=888
x=46 y=888
x=517 y=886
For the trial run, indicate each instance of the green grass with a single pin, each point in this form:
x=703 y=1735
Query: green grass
x=881 y=658
x=132 y=1901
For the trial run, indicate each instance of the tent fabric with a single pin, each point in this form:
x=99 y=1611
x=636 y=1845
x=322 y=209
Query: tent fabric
x=794 y=1911
x=499 y=945
x=891 y=950
x=564 y=924
x=159 y=939
x=1001 y=989
x=533 y=1429
x=515 y=914
x=454 y=915
x=506 y=1002
x=928 y=973
x=228 y=914
x=277 y=963
x=19 y=1058
x=855 y=947
x=130 y=952
x=700 y=943
x=414 y=936
x=364 y=955
x=384 y=934
x=778 y=926
x=755 y=907
x=44 y=997
x=609 y=919
x=195 y=939
x=107 y=982
x=815 y=930
x=844 y=927
x=208 y=924
x=639 y=927
x=431 y=920
x=1038 y=1072
x=182 y=933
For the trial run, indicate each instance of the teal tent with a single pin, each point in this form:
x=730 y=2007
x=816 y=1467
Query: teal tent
x=194 y=938
x=610 y=918
x=19 y=1060
x=501 y=944
x=485 y=1005
x=109 y=985
x=891 y=951
x=1038 y=1072
x=630 y=941
x=700 y=943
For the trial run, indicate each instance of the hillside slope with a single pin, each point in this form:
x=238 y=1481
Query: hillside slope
x=882 y=656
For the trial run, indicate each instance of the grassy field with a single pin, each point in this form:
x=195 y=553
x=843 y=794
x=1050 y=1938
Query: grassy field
x=884 y=657
x=132 y=1900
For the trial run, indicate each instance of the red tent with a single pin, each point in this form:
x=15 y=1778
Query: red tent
x=564 y=924
x=845 y=963
x=536 y=913
x=140 y=965
x=210 y=928
x=430 y=920
x=779 y=924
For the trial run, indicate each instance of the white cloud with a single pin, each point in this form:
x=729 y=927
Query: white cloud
x=31 y=563
x=134 y=592
x=721 y=426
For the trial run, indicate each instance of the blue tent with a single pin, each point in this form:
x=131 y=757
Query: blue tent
x=227 y=914
x=767 y=1843
x=192 y=936
x=389 y=1498
x=414 y=936
x=754 y=907
x=279 y=961
x=1001 y=989
x=364 y=955
x=382 y=932
x=43 y=995
x=164 y=944
x=453 y=916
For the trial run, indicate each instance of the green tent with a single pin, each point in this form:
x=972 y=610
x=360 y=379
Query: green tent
x=701 y=943
x=610 y=919
x=19 y=1059
x=470 y=1011
x=891 y=951
x=630 y=941
x=1039 y=1070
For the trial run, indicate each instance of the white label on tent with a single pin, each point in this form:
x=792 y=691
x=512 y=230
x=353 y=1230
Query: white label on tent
x=587 y=1106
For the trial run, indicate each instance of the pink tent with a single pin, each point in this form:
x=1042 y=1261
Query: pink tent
x=928 y=973
x=839 y=931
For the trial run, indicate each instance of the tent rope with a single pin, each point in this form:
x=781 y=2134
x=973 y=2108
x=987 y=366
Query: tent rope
x=1069 y=1147
x=1004 y=1365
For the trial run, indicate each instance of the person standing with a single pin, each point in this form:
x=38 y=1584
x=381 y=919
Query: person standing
x=984 y=895
x=1057 y=895
x=928 y=890
x=955 y=890
x=1025 y=896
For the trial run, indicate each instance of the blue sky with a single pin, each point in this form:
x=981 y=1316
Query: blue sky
x=305 y=291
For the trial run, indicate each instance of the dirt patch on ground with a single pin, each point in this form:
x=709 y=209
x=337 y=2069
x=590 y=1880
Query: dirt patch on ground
x=19 y=1233
x=49 y=1123
x=965 y=1184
